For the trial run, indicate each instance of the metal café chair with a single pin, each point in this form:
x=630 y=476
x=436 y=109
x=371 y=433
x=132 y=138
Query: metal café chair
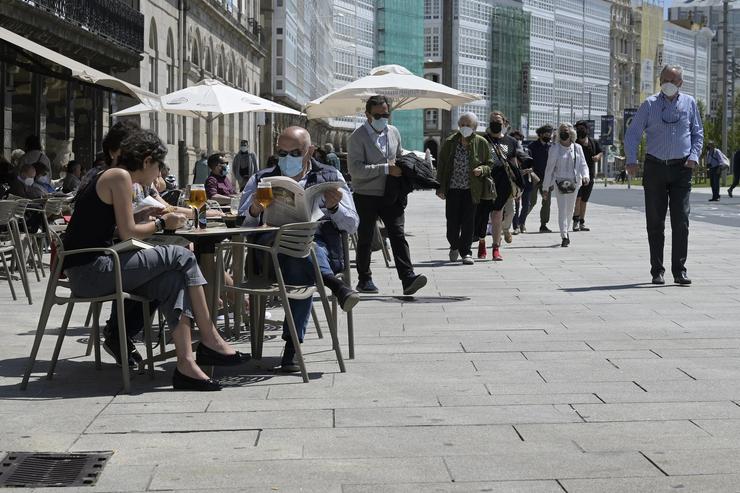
x=33 y=247
x=294 y=240
x=52 y=209
x=13 y=239
x=346 y=277
x=53 y=297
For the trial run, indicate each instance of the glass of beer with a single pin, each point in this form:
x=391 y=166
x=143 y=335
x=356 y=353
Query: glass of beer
x=197 y=196
x=264 y=194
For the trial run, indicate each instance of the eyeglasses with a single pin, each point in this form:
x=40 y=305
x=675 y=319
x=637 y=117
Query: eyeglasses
x=294 y=153
x=378 y=116
x=673 y=115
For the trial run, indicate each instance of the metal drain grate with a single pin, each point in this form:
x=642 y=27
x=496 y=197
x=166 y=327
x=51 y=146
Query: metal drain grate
x=35 y=469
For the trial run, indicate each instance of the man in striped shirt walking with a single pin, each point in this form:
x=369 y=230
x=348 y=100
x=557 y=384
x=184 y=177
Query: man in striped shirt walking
x=674 y=134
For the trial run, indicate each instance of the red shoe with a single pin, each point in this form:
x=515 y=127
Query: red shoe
x=496 y=255
x=482 y=253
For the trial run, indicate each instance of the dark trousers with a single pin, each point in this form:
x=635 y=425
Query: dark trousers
x=735 y=177
x=545 y=209
x=714 y=176
x=667 y=186
x=370 y=208
x=522 y=206
x=482 y=216
x=460 y=213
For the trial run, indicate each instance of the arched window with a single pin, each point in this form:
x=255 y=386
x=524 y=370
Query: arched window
x=207 y=59
x=220 y=63
x=195 y=49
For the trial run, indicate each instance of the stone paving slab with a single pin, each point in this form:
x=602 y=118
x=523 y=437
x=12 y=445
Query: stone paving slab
x=554 y=370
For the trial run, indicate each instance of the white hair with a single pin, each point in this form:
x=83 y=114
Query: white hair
x=672 y=68
x=569 y=128
x=468 y=117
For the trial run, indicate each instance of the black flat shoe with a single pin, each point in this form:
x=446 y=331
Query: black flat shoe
x=183 y=382
x=658 y=279
x=206 y=356
x=682 y=279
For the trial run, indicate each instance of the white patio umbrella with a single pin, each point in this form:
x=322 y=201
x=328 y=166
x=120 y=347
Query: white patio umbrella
x=208 y=99
x=408 y=91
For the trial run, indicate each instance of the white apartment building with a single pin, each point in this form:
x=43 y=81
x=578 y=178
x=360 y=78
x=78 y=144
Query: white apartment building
x=692 y=51
x=353 y=49
x=569 y=57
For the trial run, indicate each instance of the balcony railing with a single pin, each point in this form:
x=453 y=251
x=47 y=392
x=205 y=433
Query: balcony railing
x=109 y=19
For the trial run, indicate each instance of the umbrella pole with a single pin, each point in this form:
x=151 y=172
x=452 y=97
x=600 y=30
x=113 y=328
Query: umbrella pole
x=209 y=134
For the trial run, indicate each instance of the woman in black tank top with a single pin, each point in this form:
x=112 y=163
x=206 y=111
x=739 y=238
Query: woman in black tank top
x=168 y=274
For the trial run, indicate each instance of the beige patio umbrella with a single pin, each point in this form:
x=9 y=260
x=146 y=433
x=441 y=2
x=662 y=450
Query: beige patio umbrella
x=208 y=99
x=407 y=90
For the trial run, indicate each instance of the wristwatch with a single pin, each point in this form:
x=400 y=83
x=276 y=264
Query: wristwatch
x=158 y=224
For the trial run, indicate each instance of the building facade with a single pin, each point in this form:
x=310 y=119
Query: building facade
x=41 y=98
x=649 y=25
x=625 y=66
x=400 y=41
x=216 y=40
x=569 y=56
x=691 y=50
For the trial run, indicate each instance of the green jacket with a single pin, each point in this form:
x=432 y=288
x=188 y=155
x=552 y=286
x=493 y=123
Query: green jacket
x=479 y=154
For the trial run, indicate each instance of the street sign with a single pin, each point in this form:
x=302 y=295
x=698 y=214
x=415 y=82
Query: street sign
x=607 y=130
x=629 y=114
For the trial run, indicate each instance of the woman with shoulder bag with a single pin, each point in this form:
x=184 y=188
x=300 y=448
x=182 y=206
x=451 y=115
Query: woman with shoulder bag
x=462 y=171
x=567 y=171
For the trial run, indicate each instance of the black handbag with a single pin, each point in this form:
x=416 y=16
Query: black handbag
x=568 y=186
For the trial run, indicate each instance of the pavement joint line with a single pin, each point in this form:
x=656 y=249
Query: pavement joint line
x=700 y=427
x=257 y=439
x=577 y=413
x=613 y=364
x=540 y=374
x=449 y=472
x=561 y=485
x=653 y=463
x=474 y=367
x=686 y=373
x=597 y=396
x=589 y=346
x=656 y=354
x=151 y=478
x=517 y=433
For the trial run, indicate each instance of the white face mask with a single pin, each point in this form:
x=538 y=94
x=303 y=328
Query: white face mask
x=466 y=131
x=28 y=181
x=669 y=89
x=243 y=148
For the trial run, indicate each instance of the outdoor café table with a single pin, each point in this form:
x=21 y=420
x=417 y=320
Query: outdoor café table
x=204 y=241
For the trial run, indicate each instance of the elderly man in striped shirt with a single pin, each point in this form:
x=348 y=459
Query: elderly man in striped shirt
x=674 y=134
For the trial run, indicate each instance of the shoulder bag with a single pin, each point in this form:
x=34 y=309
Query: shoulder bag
x=568 y=186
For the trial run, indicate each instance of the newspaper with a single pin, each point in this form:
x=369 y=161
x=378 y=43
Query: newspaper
x=146 y=203
x=291 y=203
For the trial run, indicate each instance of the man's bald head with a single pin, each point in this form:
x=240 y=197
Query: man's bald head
x=294 y=138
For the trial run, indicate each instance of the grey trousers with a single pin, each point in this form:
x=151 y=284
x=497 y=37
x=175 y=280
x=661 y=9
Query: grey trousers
x=545 y=209
x=162 y=273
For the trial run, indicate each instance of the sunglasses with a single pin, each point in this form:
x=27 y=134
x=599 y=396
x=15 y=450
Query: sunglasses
x=294 y=153
x=380 y=115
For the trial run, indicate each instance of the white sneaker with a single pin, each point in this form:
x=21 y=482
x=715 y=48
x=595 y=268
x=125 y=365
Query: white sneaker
x=454 y=255
x=468 y=260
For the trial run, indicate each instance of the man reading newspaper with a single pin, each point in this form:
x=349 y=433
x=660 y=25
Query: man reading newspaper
x=334 y=207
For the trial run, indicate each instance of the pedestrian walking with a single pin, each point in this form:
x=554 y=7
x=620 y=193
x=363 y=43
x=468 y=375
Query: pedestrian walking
x=567 y=171
x=673 y=127
x=592 y=152
x=245 y=164
x=507 y=177
x=462 y=171
x=735 y=172
x=373 y=150
x=714 y=160
x=522 y=204
x=538 y=150
x=200 y=170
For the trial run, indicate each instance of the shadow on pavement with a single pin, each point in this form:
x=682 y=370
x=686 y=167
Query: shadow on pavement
x=640 y=285
x=416 y=299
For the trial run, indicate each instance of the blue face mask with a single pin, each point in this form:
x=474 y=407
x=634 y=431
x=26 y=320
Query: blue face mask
x=290 y=165
x=225 y=171
x=380 y=124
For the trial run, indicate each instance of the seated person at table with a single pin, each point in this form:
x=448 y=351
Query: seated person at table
x=23 y=185
x=295 y=161
x=72 y=180
x=42 y=181
x=169 y=273
x=218 y=186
